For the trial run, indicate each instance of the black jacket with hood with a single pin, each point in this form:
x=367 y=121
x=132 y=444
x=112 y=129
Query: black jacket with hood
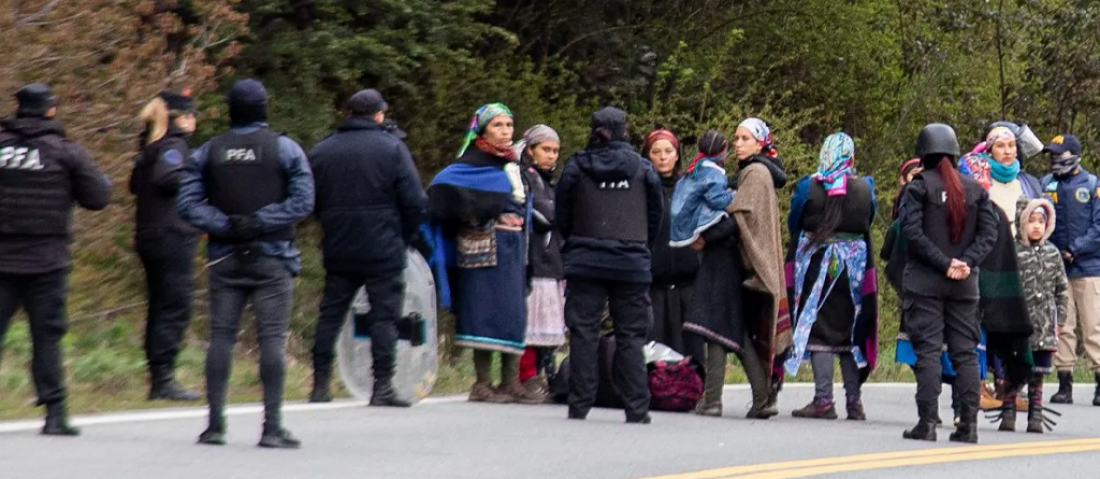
x=42 y=174
x=605 y=160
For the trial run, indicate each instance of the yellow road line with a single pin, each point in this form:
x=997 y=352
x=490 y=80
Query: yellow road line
x=942 y=454
x=918 y=461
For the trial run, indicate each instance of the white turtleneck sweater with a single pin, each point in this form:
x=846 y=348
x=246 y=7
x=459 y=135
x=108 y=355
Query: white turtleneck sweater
x=1004 y=195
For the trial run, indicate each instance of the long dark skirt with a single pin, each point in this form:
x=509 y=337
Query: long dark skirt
x=492 y=309
x=717 y=308
x=832 y=331
x=670 y=309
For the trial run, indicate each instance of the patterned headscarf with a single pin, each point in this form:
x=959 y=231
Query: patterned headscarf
x=658 y=135
x=481 y=119
x=977 y=166
x=762 y=133
x=835 y=164
x=998 y=133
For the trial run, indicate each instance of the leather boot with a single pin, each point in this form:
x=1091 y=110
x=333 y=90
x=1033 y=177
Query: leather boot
x=967 y=431
x=322 y=380
x=925 y=430
x=1096 y=395
x=278 y=438
x=214 y=435
x=715 y=380
x=820 y=408
x=855 y=409
x=758 y=382
x=57 y=421
x=1065 y=388
x=1008 y=413
x=1035 y=404
x=164 y=388
x=383 y=395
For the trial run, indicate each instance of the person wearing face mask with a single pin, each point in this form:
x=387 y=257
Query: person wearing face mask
x=1077 y=236
x=609 y=208
x=164 y=242
x=481 y=204
x=674 y=269
x=740 y=291
x=539 y=152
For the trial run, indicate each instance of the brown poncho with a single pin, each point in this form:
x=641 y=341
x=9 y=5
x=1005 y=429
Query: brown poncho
x=755 y=207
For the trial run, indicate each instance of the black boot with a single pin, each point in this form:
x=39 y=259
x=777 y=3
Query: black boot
x=1008 y=413
x=214 y=435
x=967 y=431
x=925 y=430
x=57 y=421
x=322 y=379
x=275 y=437
x=164 y=388
x=1035 y=404
x=384 y=395
x=1065 y=388
x=1096 y=395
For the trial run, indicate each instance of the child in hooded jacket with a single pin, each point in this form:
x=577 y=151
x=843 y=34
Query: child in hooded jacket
x=1046 y=291
x=702 y=194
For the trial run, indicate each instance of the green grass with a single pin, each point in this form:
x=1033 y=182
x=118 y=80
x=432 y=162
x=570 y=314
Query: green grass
x=105 y=365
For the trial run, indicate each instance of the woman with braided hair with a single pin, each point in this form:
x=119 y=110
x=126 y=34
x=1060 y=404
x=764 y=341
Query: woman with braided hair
x=480 y=203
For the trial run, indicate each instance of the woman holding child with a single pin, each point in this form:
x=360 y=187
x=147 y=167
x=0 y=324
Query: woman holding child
x=740 y=298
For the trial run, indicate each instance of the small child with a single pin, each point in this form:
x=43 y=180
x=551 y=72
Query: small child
x=702 y=194
x=1043 y=277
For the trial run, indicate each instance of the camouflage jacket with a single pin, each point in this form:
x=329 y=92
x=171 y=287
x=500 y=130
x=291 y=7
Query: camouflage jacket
x=1043 y=277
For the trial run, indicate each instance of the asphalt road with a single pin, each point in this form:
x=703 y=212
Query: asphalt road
x=450 y=438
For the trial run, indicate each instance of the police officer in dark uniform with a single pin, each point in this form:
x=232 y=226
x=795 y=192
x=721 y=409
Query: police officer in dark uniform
x=164 y=242
x=370 y=204
x=609 y=211
x=951 y=226
x=247 y=188
x=41 y=175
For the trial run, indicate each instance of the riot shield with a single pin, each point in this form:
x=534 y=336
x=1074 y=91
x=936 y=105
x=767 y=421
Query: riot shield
x=417 y=360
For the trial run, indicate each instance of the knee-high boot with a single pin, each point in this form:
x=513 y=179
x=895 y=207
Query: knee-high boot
x=758 y=381
x=1035 y=404
x=711 y=405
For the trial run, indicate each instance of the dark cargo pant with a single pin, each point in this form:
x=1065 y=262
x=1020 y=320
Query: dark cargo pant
x=931 y=323
x=42 y=296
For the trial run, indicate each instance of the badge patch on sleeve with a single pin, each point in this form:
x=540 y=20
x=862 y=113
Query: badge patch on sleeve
x=1082 y=195
x=172 y=157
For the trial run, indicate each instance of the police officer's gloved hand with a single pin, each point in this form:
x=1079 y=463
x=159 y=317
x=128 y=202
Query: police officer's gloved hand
x=246 y=227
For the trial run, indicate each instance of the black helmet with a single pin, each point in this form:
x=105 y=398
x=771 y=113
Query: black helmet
x=937 y=139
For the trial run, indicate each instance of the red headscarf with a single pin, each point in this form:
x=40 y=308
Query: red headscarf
x=658 y=135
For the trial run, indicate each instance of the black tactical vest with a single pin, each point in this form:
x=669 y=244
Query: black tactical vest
x=243 y=174
x=612 y=209
x=935 y=214
x=35 y=190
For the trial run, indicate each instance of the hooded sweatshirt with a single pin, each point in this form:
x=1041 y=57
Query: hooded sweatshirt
x=608 y=160
x=1042 y=275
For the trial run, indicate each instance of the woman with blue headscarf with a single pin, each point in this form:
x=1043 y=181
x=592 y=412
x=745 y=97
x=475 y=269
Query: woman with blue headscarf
x=834 y=301
x=480 y=208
